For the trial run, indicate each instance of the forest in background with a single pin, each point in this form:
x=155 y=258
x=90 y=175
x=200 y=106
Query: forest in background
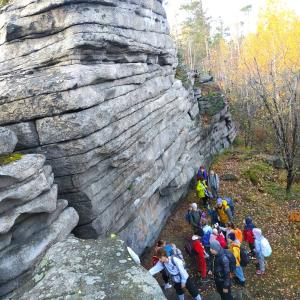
x=259 y=73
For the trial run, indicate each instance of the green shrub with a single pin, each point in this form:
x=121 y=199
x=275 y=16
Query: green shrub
x=258 y=172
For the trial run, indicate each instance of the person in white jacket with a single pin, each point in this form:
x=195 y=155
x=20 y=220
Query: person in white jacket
x=180 y=278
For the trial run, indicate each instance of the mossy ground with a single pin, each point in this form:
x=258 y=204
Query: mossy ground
x=259 y=193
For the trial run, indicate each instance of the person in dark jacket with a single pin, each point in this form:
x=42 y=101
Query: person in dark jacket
x=194 y=217
x=221 y=271
x=202 y=173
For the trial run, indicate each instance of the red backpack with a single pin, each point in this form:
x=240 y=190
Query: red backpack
x=220 y=238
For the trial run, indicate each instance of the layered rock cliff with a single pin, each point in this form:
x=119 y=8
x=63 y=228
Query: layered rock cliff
x=91 y=85
x=31 y=217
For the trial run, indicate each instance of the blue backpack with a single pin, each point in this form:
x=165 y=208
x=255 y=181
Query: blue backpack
x=205 y=239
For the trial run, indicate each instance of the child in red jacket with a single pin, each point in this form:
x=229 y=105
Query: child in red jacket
x=248 y=235
x=200 y=256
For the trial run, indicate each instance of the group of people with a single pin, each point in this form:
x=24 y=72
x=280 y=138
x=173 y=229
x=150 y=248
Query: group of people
x=216 y=244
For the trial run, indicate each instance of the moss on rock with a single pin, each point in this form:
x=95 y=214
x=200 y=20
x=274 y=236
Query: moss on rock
x=9 y=158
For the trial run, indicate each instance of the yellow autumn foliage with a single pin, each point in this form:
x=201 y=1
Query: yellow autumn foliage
x=276 y=44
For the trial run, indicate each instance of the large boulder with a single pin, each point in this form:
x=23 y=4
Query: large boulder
x=88 y=270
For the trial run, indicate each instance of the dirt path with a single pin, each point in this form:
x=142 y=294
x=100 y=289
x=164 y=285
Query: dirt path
x=282 y=278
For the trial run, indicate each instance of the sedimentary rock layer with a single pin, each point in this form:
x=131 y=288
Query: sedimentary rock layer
x=31 y=217
x=91 y=85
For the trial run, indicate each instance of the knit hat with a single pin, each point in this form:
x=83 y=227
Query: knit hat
x=195 y=237
x=249 y=223
x=194 y=205
x=232 y=236
x=215 y=245
x=219 y=201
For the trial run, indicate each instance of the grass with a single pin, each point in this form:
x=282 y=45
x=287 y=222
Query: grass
x=270 y=180
x=9 y=158
x=258 y=172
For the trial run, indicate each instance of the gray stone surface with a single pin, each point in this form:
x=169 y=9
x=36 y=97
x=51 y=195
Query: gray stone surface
x=229 y=177
x=23 y=192
x=26 y=134
x=89 y=269
x=16 y=260
x=5 y=240
x=8 y=141
x=35 y=223
x=21 y=169
x=46 y=202
x=91 y=85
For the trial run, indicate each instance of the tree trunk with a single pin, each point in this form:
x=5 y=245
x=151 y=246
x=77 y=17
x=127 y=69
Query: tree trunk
x=289 y=180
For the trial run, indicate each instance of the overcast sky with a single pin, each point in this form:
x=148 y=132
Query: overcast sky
x=228 y=10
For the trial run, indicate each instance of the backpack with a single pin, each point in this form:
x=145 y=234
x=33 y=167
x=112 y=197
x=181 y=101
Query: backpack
x=245 y=259
x=222 y=241
x=238 y=234
x=232 y=260
x=230 y=204
x=188 y=247
x=154 y=260
x=205 y=238
x=188 y=217
x=177 y=253
x=265 y=247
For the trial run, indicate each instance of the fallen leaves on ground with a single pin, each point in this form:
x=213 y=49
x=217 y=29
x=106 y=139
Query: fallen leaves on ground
x=270 y=213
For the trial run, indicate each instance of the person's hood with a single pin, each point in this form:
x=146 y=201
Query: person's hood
x=215 y=245
x=257 y=233
x=249 y=223
x=207 y=228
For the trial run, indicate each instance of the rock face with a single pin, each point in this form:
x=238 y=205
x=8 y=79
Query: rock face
x=91 y=85
x=31 y=217
x=89 y=269
x=8 y=141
